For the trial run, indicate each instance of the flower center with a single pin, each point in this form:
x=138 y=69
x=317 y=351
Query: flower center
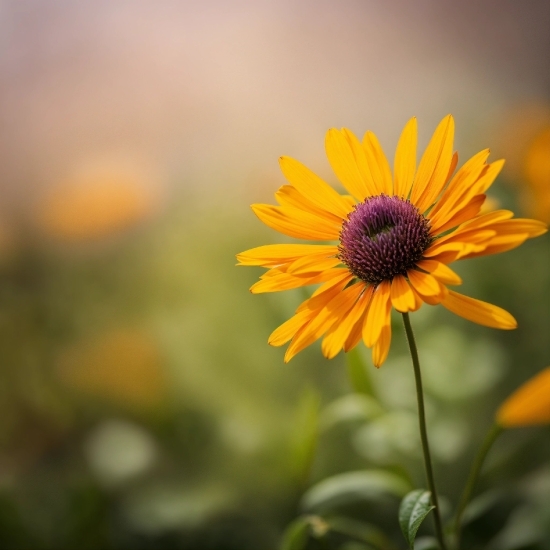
x=383 y=237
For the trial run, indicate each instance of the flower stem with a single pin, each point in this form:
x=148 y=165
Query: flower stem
x=423 y=431
x=490 y=438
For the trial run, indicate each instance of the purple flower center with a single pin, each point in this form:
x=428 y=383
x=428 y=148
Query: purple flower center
x=383 y=237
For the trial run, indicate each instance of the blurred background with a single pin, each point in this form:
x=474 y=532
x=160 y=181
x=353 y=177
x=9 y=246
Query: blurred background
x=140 y=405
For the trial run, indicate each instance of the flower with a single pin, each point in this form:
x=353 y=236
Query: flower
x=123 y=365
x=537 y=175
x=529 y=405
x=395 y=238
x=94 y=205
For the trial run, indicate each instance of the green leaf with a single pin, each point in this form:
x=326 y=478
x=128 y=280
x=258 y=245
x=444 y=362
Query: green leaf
x=357 y=373
x=296 y=534
x=352 y=486
x=305 y=435
x=412 y=511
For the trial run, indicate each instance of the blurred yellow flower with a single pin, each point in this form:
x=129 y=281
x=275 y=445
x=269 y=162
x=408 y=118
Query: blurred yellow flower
x=94 y=205
x=537 y=173
x=393 y=238
x=529 y=405
x=124 y=366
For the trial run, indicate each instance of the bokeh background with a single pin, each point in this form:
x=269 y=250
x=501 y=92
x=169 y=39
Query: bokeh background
x=140 y=405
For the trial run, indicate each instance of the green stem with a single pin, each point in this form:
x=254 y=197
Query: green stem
x=490 y=438
x=423 y=431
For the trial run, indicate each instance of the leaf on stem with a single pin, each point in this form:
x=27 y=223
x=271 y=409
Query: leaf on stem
x=413 y=510
x=296 y=534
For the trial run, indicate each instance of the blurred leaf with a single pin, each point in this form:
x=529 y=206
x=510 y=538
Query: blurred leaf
x=426 y=543
x=524 y=529
x=481 y=505
x=353 y=545
x=353 y=486
x=296 y=534
x=412 y=511
x=350 y=407
x=364 y=532
x=357 y=373
x=306 y=432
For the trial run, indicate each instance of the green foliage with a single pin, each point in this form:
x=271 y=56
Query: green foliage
x=305 y=434
x=297 y=534
x=353 y=486
x=412 y=512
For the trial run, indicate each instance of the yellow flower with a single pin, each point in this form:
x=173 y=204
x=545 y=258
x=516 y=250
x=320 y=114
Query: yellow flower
x=395 y=237
x=123 y=365
x=537 y=172
x=94 y=206
x=529 y=405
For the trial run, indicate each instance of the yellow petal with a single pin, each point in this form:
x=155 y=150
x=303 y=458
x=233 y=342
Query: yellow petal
x=336 y=337
x=314 y=263
x=466 y=176
x=349 y=168
x=363 y=165
x=529 y=405
x=478 y=312
x=288 y=329
x=462 y=200
x=327 y=291
x=405 y=160
x=424 y=283
x=486 y=219
x=355 y=334
x=279 y=280
x=533 y=228
x=467 y=236
x=272 y=255
x=377 y=314
x=440 y=271
x=332 y=313
x=313 y=187
x=296 y=223
x=381 y=349
x=470 y=211
x=402 y=296
x=452 y=167
x=378 y=164
x=489 y=176
x=496 y=245
x=434 y=166
x=287 y=195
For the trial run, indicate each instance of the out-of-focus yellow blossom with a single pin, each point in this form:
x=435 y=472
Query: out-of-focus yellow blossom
x=537 y=173
x=124 y=366
x=95 y=205
x=529 y=405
